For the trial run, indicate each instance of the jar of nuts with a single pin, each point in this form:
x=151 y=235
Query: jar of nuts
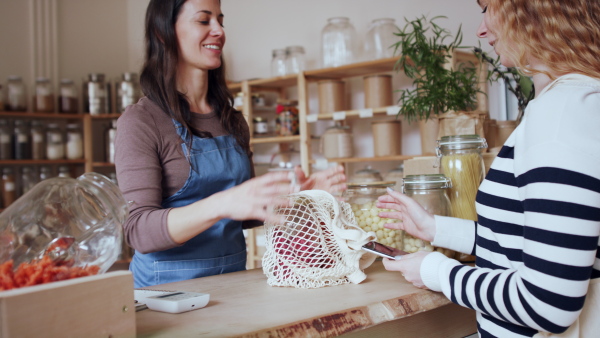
x=362 y=197
x=430 y=191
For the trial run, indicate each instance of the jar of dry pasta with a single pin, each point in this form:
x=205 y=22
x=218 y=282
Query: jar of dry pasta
x=363 y=200
x=462 y=162
x=430 y=191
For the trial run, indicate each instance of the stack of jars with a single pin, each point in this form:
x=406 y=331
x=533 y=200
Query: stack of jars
x=287 y=61
x=96 y=93
x=26 y=140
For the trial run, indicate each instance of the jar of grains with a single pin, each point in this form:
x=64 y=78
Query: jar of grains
x=287 y=118
x=363 y=200
x=430 y=191
x=462 y=163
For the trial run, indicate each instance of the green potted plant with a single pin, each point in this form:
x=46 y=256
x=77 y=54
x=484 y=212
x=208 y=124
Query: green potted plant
x=518 y=84
x=426 y=50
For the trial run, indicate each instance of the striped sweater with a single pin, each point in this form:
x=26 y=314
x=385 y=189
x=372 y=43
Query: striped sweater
x=537 y=234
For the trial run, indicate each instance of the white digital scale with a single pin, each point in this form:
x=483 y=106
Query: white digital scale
x=169 y=301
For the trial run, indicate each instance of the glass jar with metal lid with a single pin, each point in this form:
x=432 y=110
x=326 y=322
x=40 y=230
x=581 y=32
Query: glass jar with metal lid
x=67 y=100
x=16 y=99
x=362 y=197
x=96 y=94
x=43 y=99
x=260 y=125
x=430 y=191
x=128 y=91
x=462 y=163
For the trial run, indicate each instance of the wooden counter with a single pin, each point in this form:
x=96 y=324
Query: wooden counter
x=242 y=304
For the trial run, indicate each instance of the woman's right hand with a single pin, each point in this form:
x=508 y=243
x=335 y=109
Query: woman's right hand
x=257 y=197
x=413 y=218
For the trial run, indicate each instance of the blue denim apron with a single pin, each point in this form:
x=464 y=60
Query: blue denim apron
x=217 y=164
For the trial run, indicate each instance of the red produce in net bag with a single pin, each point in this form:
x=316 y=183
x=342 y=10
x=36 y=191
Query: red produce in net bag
x=317 y=243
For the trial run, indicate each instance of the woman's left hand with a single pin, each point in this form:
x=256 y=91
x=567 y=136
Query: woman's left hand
x=409 y=266
x=331 y=180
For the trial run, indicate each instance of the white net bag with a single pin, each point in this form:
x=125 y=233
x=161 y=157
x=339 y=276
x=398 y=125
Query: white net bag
x=317 y=244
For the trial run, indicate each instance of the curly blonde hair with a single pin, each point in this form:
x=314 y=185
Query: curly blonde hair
x=564 y=35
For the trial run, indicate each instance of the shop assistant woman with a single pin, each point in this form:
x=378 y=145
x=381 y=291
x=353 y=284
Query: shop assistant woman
x=536 y=241
x=183 y=154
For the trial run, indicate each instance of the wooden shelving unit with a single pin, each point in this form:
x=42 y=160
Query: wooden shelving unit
x=280 y=85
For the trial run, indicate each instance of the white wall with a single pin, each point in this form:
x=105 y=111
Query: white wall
x=107 y=36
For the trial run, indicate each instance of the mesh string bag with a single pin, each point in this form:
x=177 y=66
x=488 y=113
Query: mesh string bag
x=316 y=243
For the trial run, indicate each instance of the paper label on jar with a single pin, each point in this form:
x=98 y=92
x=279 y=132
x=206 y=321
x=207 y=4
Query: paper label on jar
x=13 y=90
x=21 y=138
x=365 y=113
x=339 y=116
x=67 y=92
x=9 y=186
x=43 y=91
x=4 y=139
x=55 y=138
x=392 y=110
x=38 y=138
x=311 y=118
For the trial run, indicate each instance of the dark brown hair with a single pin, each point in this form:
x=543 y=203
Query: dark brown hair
x=159 y=76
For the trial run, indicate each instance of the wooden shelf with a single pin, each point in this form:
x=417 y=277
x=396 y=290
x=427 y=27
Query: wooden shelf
x=102 y=164
x=275 y=139
x=352 y=114
x=370 y=159
x=353 y=70
x=105 y=116
x=40 y=162
x=32 y=115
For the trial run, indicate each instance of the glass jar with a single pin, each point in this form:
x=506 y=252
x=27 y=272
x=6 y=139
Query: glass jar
x=278 y=67
x=67 y=101
x=22 y=142
x=462 y=163
x=38 y=140
x=6 y=147
x=16 y=99
x=336 y=142
x=430 y=191
x=367 y=174
x=294 y=59
x=64 y=171
x=287 y=122
x=9 y=194
x=111 y=133
x=43 y=100
x=45 y=173
x=89 y=210
x=28 y=180
x=260 y=125
x=396 y=175
x=74 y=146
x=380 y=38
x=97 y=95
x=55 y=143
x=363 y=199
x=128 y=91
x=338 y=42
x=2 y=97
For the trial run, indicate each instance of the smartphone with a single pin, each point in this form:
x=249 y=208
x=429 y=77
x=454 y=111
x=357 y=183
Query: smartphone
x=383 y=250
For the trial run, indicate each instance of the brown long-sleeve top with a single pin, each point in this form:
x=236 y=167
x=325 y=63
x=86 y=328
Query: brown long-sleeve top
x=150 y=167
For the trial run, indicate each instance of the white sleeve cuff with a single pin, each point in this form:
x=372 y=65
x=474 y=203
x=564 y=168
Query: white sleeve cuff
x=454 y=233
x=430 y=270
x=435 y=271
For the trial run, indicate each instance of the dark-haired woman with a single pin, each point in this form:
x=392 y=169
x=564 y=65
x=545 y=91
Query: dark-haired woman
x=183 y=154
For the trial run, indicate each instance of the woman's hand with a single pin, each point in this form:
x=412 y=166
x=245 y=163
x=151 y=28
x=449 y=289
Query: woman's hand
x=257 y=197
x=413 y=218
x=331 y=180
x=409 y=266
